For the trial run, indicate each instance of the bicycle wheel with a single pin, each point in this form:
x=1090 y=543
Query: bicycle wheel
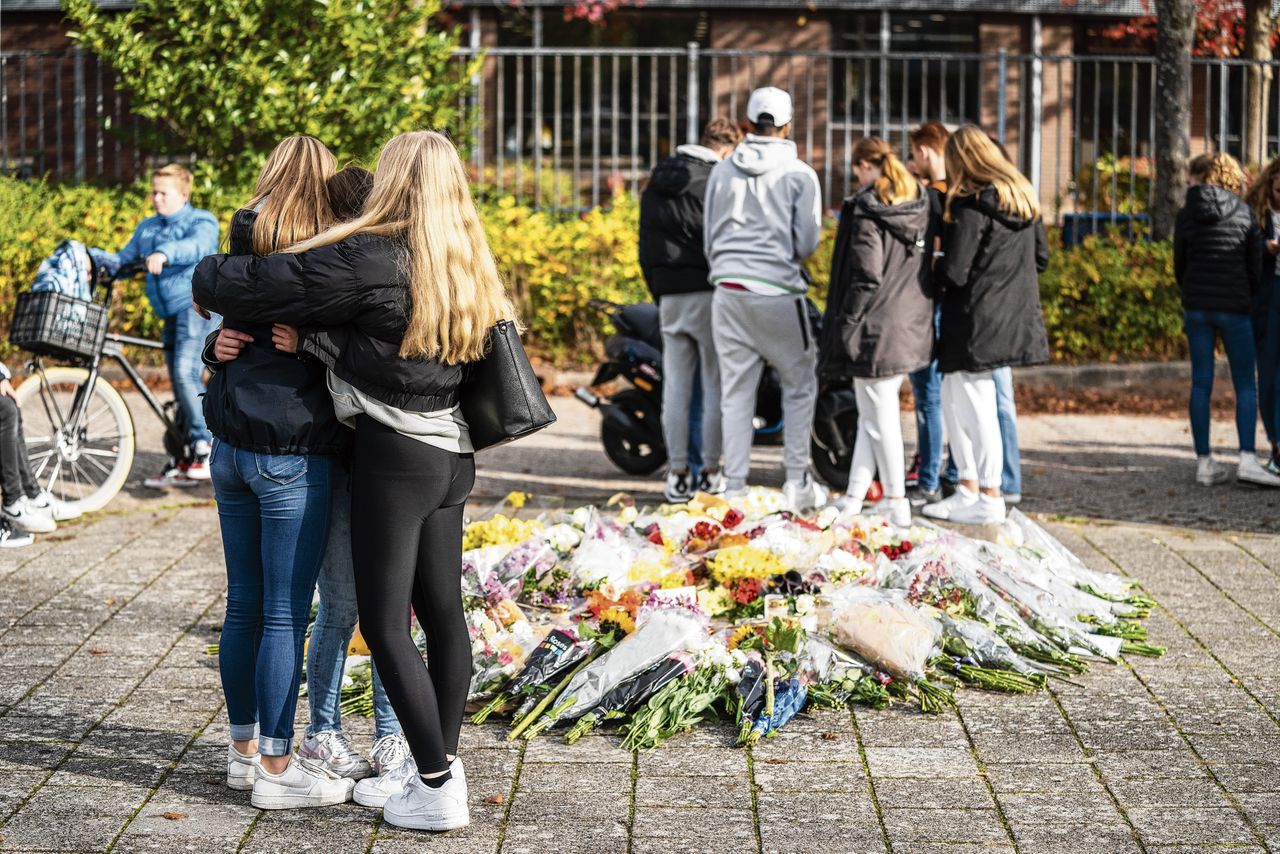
x=82 y=464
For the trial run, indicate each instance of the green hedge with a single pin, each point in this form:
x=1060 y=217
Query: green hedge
x=1106 y=300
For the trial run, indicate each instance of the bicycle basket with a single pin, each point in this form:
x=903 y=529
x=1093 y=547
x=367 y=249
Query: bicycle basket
x=53 y=324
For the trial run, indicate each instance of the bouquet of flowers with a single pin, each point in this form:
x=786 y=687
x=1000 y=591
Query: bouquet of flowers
x=685 y=702
x=501 y=639
x=630 y=694
x=558 y=652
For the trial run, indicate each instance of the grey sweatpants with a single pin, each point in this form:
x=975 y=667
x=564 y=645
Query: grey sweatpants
x=750 y=332
x=687 y=351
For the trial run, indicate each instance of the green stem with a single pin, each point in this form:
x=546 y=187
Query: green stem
x=546 y=721
x=490 y=707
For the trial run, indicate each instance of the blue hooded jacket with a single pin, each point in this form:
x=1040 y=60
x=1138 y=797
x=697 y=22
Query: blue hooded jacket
x=183 y=238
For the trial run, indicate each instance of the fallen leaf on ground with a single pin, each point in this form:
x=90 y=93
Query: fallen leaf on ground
x=97 y=650
x=175 y=816
x=496 y=799
x=830 y=736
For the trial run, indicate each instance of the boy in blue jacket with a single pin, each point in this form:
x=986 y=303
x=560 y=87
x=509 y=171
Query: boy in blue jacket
x=171 y=243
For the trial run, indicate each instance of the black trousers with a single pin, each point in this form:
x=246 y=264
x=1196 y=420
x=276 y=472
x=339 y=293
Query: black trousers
x=16 y=479
x=407 y=501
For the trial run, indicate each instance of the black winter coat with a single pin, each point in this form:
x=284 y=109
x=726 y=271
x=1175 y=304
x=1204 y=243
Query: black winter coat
x=991 y=313
x=265 y=400
x=879 y=318
x=357 y=287
x=1217 y=251
x=671 y=227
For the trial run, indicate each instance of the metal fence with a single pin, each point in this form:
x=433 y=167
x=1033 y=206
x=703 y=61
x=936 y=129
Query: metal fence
x=565 y=128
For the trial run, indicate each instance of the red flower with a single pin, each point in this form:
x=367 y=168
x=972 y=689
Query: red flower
x=755 y=532
x=733 y=518
x=655 y=535
x=704 y=530
x=747 y=590
x=905 y=547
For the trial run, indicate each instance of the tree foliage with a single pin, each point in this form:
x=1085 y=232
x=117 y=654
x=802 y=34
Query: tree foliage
x=227 y=79
x=1220 y=27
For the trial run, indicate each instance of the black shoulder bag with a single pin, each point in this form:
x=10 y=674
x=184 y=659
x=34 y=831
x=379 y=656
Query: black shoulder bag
x=501 y=399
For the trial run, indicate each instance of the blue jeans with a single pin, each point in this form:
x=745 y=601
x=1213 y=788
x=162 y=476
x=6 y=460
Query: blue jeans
x=273 y=509
x=926 y=386
x=335 y=622
x=183 y=339
x=1203 y=329
x=1266 y=338
x=1007 y=412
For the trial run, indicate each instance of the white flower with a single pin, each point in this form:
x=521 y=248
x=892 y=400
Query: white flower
x=805 y=604
x=562 y=538
x=628 y=514
x=581 y=517
x=827 y=516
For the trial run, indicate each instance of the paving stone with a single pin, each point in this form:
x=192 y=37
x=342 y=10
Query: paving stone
x=606 y=778
x=834 y=838
x=1167 y=793
x=693 y=763
x=711 y=792
x=927 y=762
x=536 y=837
x=717 y=830
x=1053 y=808
x=779 y=776
x=1174 y=825
x=817 y=810
x=1083 y=838
x=917 y=825
x=955 y=793
x=1248 y=776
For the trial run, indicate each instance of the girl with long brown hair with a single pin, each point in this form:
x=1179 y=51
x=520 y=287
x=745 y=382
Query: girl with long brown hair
x=1263 y=199
x=879 y=322
x=408 y=293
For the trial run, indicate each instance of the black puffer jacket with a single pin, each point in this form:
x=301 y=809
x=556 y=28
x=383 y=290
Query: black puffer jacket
x=671 y=223
x=991 y=313
x=879 y=320
x=1217 y=251
x=357 y=287
x=266 y=400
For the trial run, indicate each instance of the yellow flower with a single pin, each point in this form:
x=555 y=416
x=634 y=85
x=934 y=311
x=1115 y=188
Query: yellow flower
x=744 y=562
x=618 y=617
x=498 y=531
x=673 y=579
x=714 y=601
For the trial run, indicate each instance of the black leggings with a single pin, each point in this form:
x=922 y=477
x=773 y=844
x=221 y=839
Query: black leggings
x=16 y=479
x=407 y=500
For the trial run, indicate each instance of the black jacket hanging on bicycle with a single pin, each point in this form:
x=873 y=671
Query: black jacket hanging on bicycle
x=356 y=290
x=266 y=400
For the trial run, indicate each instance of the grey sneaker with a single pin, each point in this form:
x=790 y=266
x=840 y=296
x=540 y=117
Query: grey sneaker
x=804 y=495
x=332 y=750
x=12 y=538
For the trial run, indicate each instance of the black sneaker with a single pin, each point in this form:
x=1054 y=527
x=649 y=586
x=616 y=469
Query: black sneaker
x=913 y=473
x=12 y=538
x=920 y=497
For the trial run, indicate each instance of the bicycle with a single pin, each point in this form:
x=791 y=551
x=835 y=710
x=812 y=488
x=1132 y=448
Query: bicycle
x=79 y=429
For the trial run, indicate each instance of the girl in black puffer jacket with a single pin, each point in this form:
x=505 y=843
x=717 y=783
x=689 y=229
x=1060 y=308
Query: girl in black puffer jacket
x=409 y=292
x=993 y=246
x=1217 y=261
x=879 y=322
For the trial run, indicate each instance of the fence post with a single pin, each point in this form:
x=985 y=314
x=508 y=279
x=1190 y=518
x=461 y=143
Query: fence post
x=79 y=113
x=1037 y=103
x=884 y=73
x=691 y=95
x=1223 y=71
x=1002 y=69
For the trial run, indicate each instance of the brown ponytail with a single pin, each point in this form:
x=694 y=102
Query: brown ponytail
x=895 y=184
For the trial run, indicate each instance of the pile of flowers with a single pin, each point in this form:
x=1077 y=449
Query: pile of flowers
x=660 y=619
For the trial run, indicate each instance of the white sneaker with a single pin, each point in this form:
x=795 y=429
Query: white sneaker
x=803 y=495
x=198 y=468
x=375 y=791
x=332 y=749
x=419 y=807
x=945 y=508
x=389 y=752
x=59 y=510
x=12 y=538
x=712 y=483
x=25 y=516
x=174 y=474
x=679 y=487
x=897 y=510
x=1252 y=471
x=1209 y=473
x=1012 y=498
x=241 y=769
x=847 y=505
x=987 y=510
x=304 y=783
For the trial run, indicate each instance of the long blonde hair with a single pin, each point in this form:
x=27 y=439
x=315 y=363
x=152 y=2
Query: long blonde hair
x=895 y=184
x=1259 y=195
x=291 y=191
x=1219 y=170
x=974 y=162
x=421 y=199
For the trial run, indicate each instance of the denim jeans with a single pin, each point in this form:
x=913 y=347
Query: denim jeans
x=273 y=509
x=335 y=622
x=1203 y=329
x=16 y=478
x=1007 y=412
x=926 y=387
x=183 y=339
x=1266 y=337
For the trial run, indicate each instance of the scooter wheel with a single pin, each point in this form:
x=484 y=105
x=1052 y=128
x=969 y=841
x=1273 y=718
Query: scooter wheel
x=628 y=454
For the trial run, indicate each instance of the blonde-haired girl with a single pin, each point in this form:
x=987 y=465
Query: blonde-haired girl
x=409 y=291
x=1217 y=261
x=993 y=246
x=879 y=322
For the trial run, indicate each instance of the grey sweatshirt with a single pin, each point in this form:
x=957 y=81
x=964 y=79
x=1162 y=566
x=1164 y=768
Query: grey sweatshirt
x=762 y=217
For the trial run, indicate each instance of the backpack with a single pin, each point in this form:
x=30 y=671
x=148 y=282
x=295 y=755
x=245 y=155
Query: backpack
x=68 y=270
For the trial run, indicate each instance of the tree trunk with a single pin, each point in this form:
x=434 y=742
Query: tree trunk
x=1175 y=27
x=1257 y=45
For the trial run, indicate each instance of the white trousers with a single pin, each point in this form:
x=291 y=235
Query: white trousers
x=973 y=427
x=879 y=441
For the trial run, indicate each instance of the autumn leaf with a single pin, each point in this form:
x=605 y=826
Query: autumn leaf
x=175 y=816
x=496 y=800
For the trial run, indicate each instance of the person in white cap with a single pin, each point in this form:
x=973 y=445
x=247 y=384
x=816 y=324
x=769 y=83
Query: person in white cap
x=762 y=219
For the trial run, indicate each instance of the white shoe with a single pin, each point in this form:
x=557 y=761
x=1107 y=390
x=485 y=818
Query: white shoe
x=25 y=516
x=736 y=496
x=419 y=807
x=1252 y=471
x=59 y=510
x=679 y=488
x=944 y=509
x=389 y=752
x=174 y=474
x=12 y=538
x=241 y=769
x=987 y=510
x=1209 y=473
x=332 y=749
x=304 y=783
x=712 y=483
x=847 y=505
x=803 y=495
x=897 y=510
x=375 y=791
x=1012 y=498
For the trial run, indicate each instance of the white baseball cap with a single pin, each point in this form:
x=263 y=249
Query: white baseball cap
x=771 y=100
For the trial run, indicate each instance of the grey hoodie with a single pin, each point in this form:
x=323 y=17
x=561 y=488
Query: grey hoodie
x=762 y=217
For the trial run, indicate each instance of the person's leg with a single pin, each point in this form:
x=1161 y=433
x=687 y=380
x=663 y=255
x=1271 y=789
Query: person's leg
x=13 y=452
x=976 y=408
x=926 y=388
x=796 y=361
x=241 y=524
x=709 y=382
x=960 y=439
x=1007 y=412
x=293 y=493
x=862 y=470
x=1201 y=337
x=29 y=484
x=884 y=428
x=1237 y=340
x=187 y=372
x=740 y=371
x=679 y=369
x=695 y=424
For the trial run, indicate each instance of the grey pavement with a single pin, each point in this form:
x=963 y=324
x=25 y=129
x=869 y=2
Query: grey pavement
x=112 y=727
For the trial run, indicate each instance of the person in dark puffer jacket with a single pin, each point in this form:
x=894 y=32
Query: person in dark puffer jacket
x=1217 y=261
x=676 y=270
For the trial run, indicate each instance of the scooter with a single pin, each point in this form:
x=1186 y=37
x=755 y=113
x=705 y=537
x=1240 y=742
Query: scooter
x=631 y=425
